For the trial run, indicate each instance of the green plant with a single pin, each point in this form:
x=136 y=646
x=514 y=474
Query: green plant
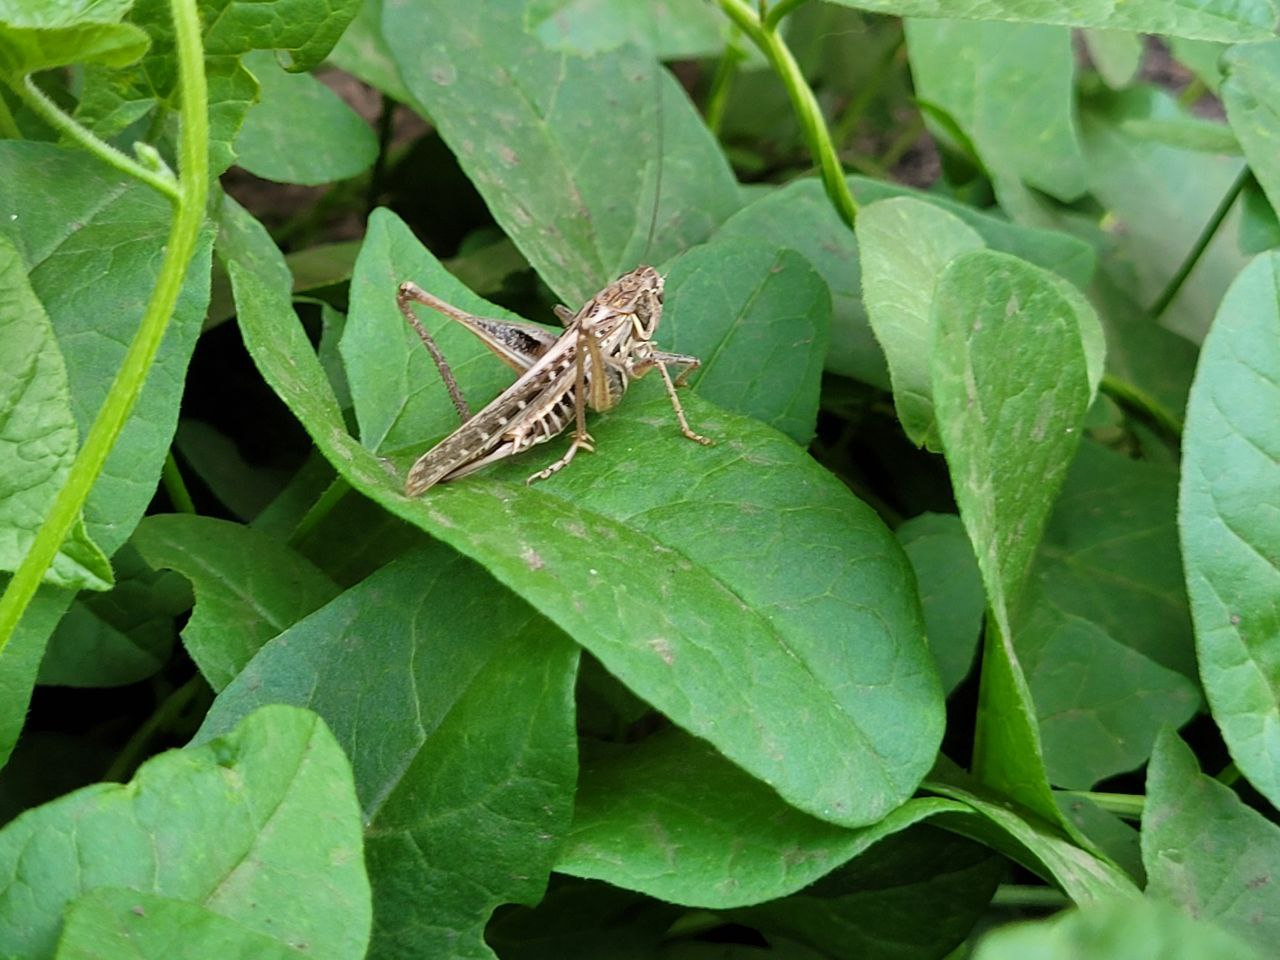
x=991 y=514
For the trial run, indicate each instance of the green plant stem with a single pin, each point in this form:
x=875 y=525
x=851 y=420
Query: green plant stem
x=189 y=209
x=1144 y=406
x=128 y=759
x=773 y=16
x=1126 y=805
x=175 y=486
x=319 y=510
x=1202 y=242
x=160 y=178
x=726 y=70
x=803 y=101
x=848 y=121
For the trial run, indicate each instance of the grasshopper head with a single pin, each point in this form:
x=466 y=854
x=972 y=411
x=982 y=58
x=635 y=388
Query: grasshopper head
x=640 y=293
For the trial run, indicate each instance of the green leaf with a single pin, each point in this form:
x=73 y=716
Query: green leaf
x=1099 y=703
x=114 y=924
x=905 y=245
x=304 y=30
x=1010 y=387
x=1009 y=87
x=363 y=53
x=1038 y=845
x=669 y=29
x=673 y=819
x=241 y=238
x=1187 y=133
x=871 y=908
x=950 y=590
x=93 y=245
x=1116 y=54
x=800 y=216
x=1230 y=535
x=465 y=804
x=592 y=556
x=1251 y=94
x=758 y=316
x=1259 y=225
x=260 y=827
x=1204 y=19
x=1205 y=851
x=21 y=661
x=36 y=37
x=1110 y=556
x=1118 y=930
x=121 y=636
x=39 y=439
x=248 y=586
x=300 y=131
x=1162 y=197
x=569 y=153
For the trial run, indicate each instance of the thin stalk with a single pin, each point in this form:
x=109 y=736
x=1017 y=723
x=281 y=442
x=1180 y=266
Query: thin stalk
x=848 y=122
x=130 y=757
x=175 y=486
x=156 y=175
x=333 y=493
x=726 y=70
x=1125 y=805
x=803 y=101
x=189 y=209
x=1202 y=242
x=1140 y=403
x=773 y=16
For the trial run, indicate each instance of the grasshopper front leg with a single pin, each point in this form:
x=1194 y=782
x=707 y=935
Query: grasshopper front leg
x=410 y=291
x=660 y=359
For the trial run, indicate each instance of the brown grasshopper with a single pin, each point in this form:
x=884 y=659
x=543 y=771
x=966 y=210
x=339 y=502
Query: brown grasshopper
x=604 y=346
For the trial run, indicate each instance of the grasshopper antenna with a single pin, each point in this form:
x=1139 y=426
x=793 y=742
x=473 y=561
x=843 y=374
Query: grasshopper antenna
x=657 y=185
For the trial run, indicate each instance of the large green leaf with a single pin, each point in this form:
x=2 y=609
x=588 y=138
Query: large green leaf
x=1206 y=851
x=455 y=702
x=905 y=245
x=21 y=661
x=39 y=437
x=716 y=582
x=260 y=826
x=1110 y=555
x=248 y=587
x=1117 y=930
x=1162 y=197
x=577 y=158
x=42 y=36
x=673 y=819
x=93 y=246
x=801 y=217
x=303 y=30
x=109 y=923
x=1010 y=387
x=758 y=316
x=1010 y=88
x=1205 y=19
x=670 y=29
x=1227 y=516
x=300 y=131
x=1251 y=94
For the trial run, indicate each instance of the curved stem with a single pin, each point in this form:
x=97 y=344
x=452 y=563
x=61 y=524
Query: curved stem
x=808 y=112
x=161 y=179
x=726 y=70
x=1202 y=242
x=1146 y=407
x=189 y=208
x=774 y=15
x=175 y=486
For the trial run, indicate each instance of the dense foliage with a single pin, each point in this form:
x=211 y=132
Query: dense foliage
x=970 y=615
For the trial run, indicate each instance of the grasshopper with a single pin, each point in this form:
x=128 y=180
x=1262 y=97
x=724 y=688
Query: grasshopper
x=604 y=346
